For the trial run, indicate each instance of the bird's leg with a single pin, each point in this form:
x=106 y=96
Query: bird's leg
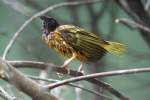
x=65 y=65
x=80 y=69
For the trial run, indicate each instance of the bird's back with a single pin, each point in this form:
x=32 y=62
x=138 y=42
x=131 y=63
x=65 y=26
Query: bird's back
x=75 y=40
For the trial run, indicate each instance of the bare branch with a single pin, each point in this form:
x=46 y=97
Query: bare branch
x=43 y=74
x=31 y=64
x=42 y=65
x=5 y=95
x=21 y=82
x=126 y=8
x=16 y=34
x=132 y=23
x=135 y=9
x=102 y=74
x=70 y=84
x=147 y=5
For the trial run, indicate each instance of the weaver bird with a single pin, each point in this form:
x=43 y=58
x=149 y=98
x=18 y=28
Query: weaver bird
x=76 y=43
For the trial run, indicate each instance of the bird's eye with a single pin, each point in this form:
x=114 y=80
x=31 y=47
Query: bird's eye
x=53 y=22
x=50 y=24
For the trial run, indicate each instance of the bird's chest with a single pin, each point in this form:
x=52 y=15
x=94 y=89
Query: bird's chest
x=56 y=41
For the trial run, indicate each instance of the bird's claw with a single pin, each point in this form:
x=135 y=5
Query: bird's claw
x=65 y=67
x=81 y=71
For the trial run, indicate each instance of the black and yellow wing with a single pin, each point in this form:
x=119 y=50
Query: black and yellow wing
x=84 y=43
x=88 y=44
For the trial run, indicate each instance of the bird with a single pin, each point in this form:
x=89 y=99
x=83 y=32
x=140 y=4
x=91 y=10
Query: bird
x=74 y=42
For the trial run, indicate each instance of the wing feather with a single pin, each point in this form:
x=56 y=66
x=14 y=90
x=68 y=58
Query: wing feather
x=83 y=42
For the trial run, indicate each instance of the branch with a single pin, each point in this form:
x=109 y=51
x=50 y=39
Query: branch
x=24 y=84
x=130 y=23
x=16 y=34
x=102 y=74
x=135 y=9
x=42 y=65
x=70 y=84
x=126 y=8
x=5 y=95
x=147 y=5
x=88 y=78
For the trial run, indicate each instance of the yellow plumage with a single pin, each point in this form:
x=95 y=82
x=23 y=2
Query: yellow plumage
x=69 y=39
x=114 y=48
x=74 y=42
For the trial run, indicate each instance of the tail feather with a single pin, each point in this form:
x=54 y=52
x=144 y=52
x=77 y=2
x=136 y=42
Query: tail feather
x=114 y=48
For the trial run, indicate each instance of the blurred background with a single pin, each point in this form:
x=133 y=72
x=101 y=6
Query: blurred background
x=98 y=18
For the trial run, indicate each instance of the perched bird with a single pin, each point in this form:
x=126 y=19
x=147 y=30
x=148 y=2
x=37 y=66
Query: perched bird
x=76 y=43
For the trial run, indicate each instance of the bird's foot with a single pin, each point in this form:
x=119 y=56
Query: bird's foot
x=81 y=71
x=63 y=67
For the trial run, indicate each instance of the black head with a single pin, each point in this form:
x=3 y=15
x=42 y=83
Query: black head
x=49 y=24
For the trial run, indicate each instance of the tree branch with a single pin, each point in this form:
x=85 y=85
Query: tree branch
x=88 y=78
x=132 y=23
x=70 y=84
x=147 y=5
x=50 y=8
x=135 y=9
x=126 y=8
x=21 y=82
x=42 y=65
x=102 y=74
x=30 y=64
x=5 y=95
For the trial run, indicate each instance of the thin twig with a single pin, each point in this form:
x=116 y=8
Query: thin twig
x=135 y=9
x=5 y=95
x=147 y=5
x=102 y=74
x=24 y=84
x=50 y=8
x=132 y=23
x=55 y=68
x=87 y=78
x=123 y=4
x=42 y=65
x=43 y=74
x=70 y=84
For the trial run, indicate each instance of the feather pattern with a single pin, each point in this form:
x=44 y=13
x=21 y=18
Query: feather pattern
x=69 y=39
x=86 y=45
